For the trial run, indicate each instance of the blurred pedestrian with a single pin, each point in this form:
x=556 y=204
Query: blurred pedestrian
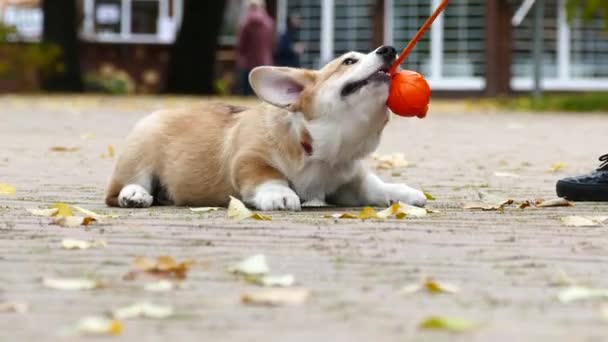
x=289 y=48
x=255 y=42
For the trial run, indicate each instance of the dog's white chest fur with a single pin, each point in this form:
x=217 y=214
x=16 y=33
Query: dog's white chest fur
x=318 y=179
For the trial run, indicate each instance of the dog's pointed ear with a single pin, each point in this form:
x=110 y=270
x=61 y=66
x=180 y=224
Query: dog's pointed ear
x=281 y=86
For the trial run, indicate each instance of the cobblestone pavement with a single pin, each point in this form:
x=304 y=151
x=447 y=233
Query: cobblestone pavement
x=507 y=265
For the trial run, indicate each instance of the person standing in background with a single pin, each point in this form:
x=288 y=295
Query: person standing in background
x=255 y=43
x=289 y=48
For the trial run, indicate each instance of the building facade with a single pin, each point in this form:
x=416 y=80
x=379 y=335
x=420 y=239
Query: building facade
x=472 y=47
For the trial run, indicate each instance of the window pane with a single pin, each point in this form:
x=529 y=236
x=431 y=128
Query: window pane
x=144 y=16
x=463 y=39
x=409 y=16
x=589 y=48
x=107 y=16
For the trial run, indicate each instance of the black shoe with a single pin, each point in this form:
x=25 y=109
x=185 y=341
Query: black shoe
x=592 y=187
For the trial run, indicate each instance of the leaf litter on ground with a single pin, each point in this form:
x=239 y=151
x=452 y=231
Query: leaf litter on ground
x=255 y=270
x=94 y=326
x=450 y=324
x=238 y=211
x=557 y=167
x=397 y=211
x=162 y=267
x=64 y=149
x=7 y=189
x=489 y=202
x=431 y=286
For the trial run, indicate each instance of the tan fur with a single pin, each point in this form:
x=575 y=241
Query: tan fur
x=207 y=154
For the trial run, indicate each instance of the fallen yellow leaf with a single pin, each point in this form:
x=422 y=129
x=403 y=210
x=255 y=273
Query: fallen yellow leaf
x=63 y=209
x=110 y=153
x=7 y=189
x=368 y=213
x=451 y=324
x=99 y=326
x=238 y=211
x=64 y=149
x=428 y=196
x=557 y=167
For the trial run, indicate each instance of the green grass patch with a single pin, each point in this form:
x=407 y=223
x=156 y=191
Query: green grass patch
x=584 y=102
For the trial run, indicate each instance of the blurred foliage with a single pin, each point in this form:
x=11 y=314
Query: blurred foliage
x=585 y=102
x=588 y=9
x=110 y=80
x=26 y=63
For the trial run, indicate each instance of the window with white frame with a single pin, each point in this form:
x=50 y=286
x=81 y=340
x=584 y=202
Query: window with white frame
x=523 y=61
x=407 y=18
x=575 y=55
x=352 y=26
x=589 y=48
x=310 y=33
x=131 y=21
x=26 y=19
x=463 y=39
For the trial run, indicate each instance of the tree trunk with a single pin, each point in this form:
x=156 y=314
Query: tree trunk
x=192 y=61
x=60 y=28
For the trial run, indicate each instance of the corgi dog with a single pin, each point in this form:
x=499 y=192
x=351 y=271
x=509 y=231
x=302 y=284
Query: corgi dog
x=306 y=141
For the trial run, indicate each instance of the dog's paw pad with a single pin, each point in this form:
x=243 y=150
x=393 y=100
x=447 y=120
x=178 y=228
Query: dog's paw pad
x=134 y=196
x=276 y=197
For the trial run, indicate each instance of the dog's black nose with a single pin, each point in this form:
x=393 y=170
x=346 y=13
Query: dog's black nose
x=388 y=53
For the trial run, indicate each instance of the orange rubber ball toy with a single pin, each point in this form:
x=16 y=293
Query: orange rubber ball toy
x=409 y=94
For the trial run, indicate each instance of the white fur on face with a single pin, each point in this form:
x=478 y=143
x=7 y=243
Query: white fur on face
x=347 y=128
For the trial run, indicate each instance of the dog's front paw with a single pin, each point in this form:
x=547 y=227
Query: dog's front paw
x=134 y=196
x=273 y=196
x=405 y=194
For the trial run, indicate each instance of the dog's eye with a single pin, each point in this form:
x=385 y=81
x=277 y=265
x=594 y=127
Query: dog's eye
x=350 y=61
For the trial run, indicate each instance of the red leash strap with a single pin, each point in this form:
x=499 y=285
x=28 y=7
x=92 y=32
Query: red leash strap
x=417 y=37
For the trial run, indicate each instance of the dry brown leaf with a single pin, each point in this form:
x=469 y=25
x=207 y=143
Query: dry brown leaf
x=64 y=149
x=341 y=216
x=431 y=286
x=276 y=296
x=488 y=207
x=73 y=221
x=163 y=266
